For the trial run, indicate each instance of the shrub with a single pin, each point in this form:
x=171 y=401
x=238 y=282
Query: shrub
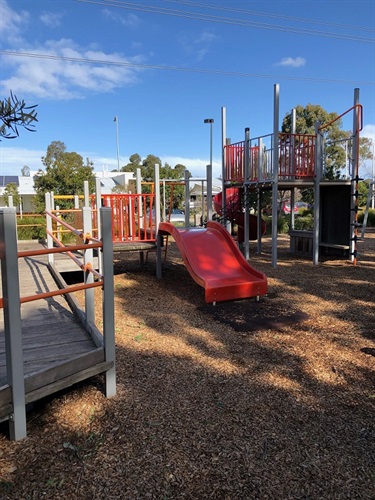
x=370 y=218
x=31 y=228
x=304 y=222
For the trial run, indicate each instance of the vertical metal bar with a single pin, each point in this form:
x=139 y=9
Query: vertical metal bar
x=292 y=201
x=318 y=160
x=246 y=220
x=209 y=192
x=86 y=194
x=223 y=156
x=12 y=321
x=47 y=198
x=98 y=204
x=355 y=180
x=159 y=244
x=292 y=141
x=138 y=187
x=108 y=301
x=275 y=167
x=157 y=197
x=260 y=178
x=88 y=260
x=187 y=198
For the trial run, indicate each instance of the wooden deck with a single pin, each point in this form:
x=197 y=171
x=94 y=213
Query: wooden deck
x=58 y=350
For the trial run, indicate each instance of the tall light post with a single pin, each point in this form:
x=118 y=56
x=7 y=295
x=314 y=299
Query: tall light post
x=209 y=175
x=211 y=122
x=115 y=119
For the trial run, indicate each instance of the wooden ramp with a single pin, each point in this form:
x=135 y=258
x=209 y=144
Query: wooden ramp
x=58 y=350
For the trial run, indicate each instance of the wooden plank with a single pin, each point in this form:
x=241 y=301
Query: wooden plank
x=67 y=382
x=6 y=411
x=5 y=395
x=63 y=370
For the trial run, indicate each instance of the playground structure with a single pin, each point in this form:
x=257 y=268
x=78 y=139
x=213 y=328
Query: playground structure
x=50 y=347
x=210 y=254
x=280 y=161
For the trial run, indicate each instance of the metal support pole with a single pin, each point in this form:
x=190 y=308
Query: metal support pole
x=86 y=193
x=187 y=198
x=275 y=166
x=209 y=192
x=292 y=202
x=246 y=220
x=355 y=180
x=47 y=198
x=12 y=321
x=260 y=192
x=223 y=156
x=157 y=197
x=318 y=161
x=98 y=203
x=108 y=301
x=88 y=260
x=159 y=244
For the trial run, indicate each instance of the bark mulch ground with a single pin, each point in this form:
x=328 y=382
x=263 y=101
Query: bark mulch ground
x=244 y=400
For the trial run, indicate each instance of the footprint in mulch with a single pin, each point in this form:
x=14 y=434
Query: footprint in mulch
x=252 y=316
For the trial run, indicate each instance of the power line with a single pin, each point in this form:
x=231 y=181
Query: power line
x=271 y=15
x=227 y=20
x=178 y=68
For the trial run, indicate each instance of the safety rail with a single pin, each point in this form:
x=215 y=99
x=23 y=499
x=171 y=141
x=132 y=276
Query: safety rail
x=133 y=216
x=296 y=158
x=11 y=300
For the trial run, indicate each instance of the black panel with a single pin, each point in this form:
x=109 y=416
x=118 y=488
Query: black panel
x=335 y=214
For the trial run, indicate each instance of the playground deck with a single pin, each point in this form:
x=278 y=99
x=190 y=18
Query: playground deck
x=57 y=350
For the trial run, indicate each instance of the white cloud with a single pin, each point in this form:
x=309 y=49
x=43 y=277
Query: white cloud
x=51 y=19
x=130 y=21
x=293 y=62
x=199 y=46
x=369 y=131
x=54 y=78
x=12 y=159
x=12 y=23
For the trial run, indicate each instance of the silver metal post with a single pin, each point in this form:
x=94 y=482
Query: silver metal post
x=98 y=203
x=247 y=160
x=108 y=301
x=209 y=192
x=88 y=259
x=47 y=198
x=12 y=321
x=117 y=144
x=318 y=161
x=187 y=198
x=275 y=166
x=223 y=157
x=157 y=197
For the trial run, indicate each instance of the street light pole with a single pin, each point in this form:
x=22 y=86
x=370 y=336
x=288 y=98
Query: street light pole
x=115 y=119
x=209 y=174
x=210 y=121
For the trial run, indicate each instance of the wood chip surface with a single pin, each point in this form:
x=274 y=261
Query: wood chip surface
x=243 y=400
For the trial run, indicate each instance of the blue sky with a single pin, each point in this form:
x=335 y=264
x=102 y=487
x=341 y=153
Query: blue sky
x=163 y=66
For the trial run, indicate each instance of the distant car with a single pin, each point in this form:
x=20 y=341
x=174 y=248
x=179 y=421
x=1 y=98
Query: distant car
x=285 y=208
x=176 y=215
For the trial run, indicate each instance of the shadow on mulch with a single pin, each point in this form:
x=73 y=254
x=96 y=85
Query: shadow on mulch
x=249 y=315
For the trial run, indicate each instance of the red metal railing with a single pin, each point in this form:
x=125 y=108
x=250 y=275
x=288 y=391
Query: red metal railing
x=133 y=216
x=296 y=158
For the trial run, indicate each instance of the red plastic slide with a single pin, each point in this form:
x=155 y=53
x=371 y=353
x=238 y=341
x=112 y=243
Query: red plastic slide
x=215 y=262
